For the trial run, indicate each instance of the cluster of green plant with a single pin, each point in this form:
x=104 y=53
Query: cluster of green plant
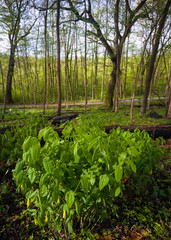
x=72 y=182
x=11 y=141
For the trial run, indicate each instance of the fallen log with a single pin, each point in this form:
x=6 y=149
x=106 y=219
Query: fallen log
x=62 y=119
x=155 y=131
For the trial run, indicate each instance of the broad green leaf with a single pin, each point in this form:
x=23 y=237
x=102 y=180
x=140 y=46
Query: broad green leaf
x=133 y=151
x=48 y=165
x=32 y=175
x=76 y=156
x=19 y=177
x=122 y=158
x=117 y=192
x=69 y=197
x=58 y=173
x=118 y=173
x=70 y=227
x=92 y=179
x=85 y=183
x=35 y=151
x=77 y=207
x=45 y=133
x=132 y=165
x=91 y=144
x=27 y=144
x=43 y=179
x=31 y=193
x=55 y=192
x=67 y=131
x=104 y=179
x=19 y=166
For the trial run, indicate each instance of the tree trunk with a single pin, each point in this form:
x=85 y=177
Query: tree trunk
x=103 y=76
x=168 y=101
x=111 y=86
x=8 y=95
x=85 y=62
x=153 y=57
x=58 y=58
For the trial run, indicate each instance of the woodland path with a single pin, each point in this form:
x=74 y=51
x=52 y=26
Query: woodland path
x=76 y=103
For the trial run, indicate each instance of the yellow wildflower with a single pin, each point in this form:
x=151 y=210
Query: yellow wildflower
x=46 y=219
x=104 y=203
x=58 y=201
x=35 y=222
x=28 y=202
x=22 y=188
x=64 y=214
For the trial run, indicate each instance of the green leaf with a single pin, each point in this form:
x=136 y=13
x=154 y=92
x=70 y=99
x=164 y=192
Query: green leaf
x=77 y=208
x=70 y=197
x=104 y=179
x=133 y=151
x=43 y=179
x=132 y=165
x=92 y=179
x=55 y=192
x=48 y=165
x=27 y=144
x=32 y=175
x=45 y=133
x=19 y=177
x=19 y=166
x=118 y=173
x=117 y=192
x=58 y=173
x=76 y=156
x=35 y=151
x=70 y=227
x=67 y=131
x=84 y=183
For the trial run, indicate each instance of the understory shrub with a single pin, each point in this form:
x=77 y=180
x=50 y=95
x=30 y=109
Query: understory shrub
x=72 y=182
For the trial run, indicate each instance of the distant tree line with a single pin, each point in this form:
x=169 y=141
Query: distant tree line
x=70 y=49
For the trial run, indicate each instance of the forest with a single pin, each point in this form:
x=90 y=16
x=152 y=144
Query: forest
x=85 y=109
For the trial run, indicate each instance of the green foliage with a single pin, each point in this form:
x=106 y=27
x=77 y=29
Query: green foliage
x=11 y=141
x=76 y=179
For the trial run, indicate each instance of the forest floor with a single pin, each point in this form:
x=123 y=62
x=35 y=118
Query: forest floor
x=139 y=217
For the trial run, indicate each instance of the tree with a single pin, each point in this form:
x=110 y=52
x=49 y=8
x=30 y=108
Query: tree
x=58 y=57
x=153 y=56
x=113 y=53
x=45 y=37
x=12 y=14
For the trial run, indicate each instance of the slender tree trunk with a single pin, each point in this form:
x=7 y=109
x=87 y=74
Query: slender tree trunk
x=92 y=75
x=126 y=68
x=8 y=96
x=58 y=57
x=3 y=87
x=96 y=69
x=103 y=76
x=85 y=62
x=45 y=65
x=168 y=101
x=153 y=57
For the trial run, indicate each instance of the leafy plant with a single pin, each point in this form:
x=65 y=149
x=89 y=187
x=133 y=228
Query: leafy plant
x=74 y=180
x=11 y=141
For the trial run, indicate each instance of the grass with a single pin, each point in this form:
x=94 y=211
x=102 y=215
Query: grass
x=16 y=115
